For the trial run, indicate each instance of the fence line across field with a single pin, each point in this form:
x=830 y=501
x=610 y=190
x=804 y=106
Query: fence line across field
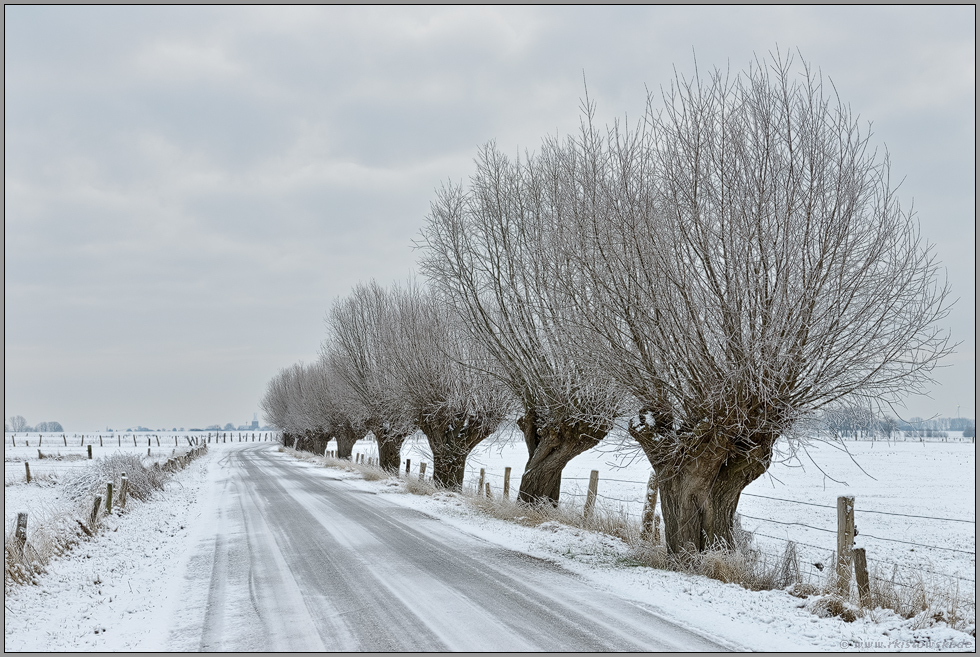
x=578 y=494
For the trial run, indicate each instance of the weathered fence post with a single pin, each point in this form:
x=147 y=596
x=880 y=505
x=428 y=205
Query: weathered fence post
x=65 y=438
x=119 y=440
x=861 y=575
x=408 y=466
x=123 y=490
x=483 y=476
x=21 y=532
x=95 y=511
x=27 y=467
x=845 y=543
x=422 y=471
x=507 y=483
x=650 y=509
x=134 y=441
x=89 y=452
x=100 y=440
x=13 y=439
x=591 y=495
x=80 y=444
x=487 y=492
x=108 y=497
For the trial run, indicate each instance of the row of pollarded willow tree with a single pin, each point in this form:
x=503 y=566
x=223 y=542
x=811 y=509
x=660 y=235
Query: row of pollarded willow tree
x=709 y=277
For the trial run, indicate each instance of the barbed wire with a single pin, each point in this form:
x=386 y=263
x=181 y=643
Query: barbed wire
x=934 y=547
x=780 y=522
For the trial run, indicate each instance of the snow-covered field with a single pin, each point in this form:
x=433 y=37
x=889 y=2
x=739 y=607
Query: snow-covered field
x=117 y=591
x=915 y=501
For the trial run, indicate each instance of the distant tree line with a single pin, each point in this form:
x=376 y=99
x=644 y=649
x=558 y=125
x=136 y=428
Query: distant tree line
x=18 y=424
x=730 y=270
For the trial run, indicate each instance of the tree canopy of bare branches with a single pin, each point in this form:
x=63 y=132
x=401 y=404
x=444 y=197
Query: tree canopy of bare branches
x=752 y=265
x=492 y=251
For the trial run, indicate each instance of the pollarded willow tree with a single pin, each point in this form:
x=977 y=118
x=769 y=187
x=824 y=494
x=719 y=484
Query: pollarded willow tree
x=493 y=251
x=753 y=266
x=358 y=335
x=333 y=408
x=443 y=379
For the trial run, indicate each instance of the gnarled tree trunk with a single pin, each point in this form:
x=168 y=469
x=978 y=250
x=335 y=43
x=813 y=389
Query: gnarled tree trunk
x=550 y=447
x=700 y=485
x=389 y=446
x=451 y=440
x=346 y=436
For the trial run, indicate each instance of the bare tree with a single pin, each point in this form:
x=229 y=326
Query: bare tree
x=753 y=266
x=443 y=379
x=358 y=332
x=492 y=252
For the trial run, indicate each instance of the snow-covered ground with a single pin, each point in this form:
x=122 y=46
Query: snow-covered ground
x=119 y=591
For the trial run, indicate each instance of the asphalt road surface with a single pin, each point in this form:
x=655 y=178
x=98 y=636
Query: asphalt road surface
x=290 y=558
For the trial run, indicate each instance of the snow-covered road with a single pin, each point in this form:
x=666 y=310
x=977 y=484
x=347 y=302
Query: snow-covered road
x=299 y=559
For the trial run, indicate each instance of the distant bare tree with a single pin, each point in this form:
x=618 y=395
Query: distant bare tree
x=18 y=423
x=358 y=328
x=492 y=251
x=752 y=266
x=443 y=379
x=334 y=407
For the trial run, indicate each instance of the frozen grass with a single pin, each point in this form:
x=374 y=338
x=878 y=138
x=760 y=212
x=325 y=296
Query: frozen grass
x=53 y=532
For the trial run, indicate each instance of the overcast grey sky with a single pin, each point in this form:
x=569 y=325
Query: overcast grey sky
x=187 y=189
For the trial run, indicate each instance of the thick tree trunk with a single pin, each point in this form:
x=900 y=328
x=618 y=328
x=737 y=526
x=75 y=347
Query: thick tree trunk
x=451 y=441
x=345 y=443
x=699 y=492
x=550 y=447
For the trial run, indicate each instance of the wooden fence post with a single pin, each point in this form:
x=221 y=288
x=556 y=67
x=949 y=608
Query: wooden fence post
x=14 y=440
x=134 y=441
x=591 y=495
x=100 y=440
x=422 y=471
x=81 y=444
x=27 y=467
x=845 y=543
x=650 y=509
x=123 y=490
x=488 y=493
x=95 y=511
x=119 y=439
x=483 y=476
x=21 y=532
x=408 y=466
x=507 y=483
x=65 y=438
x=89 y=452
x=861 y=574
x=108 y=498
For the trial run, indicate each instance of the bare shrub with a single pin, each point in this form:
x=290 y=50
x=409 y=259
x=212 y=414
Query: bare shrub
x=85 y=483
x=50 y=534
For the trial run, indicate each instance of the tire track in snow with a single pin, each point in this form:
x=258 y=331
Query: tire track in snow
x=334 y=568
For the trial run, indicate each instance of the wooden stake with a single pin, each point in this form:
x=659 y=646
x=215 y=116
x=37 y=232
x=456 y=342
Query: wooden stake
x=123 y=491
x=591 y=495
x=89 y=452
x=95 y=511
x=27 y=467
x=21 y=532
x=650 y=508
x=108 y=498
x=422 y=470
x=507 y=483
x=65 y=438
x=483 y=476
x=408 y=466
x=861 y=574
x=100 y=440
x=845 y=543
x=488 y=493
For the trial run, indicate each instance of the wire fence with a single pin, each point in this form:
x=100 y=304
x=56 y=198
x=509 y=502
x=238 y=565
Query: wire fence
x=818 y=559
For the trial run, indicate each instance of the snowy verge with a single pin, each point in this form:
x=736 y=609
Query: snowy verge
x=113 y=592
x=746 y=620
